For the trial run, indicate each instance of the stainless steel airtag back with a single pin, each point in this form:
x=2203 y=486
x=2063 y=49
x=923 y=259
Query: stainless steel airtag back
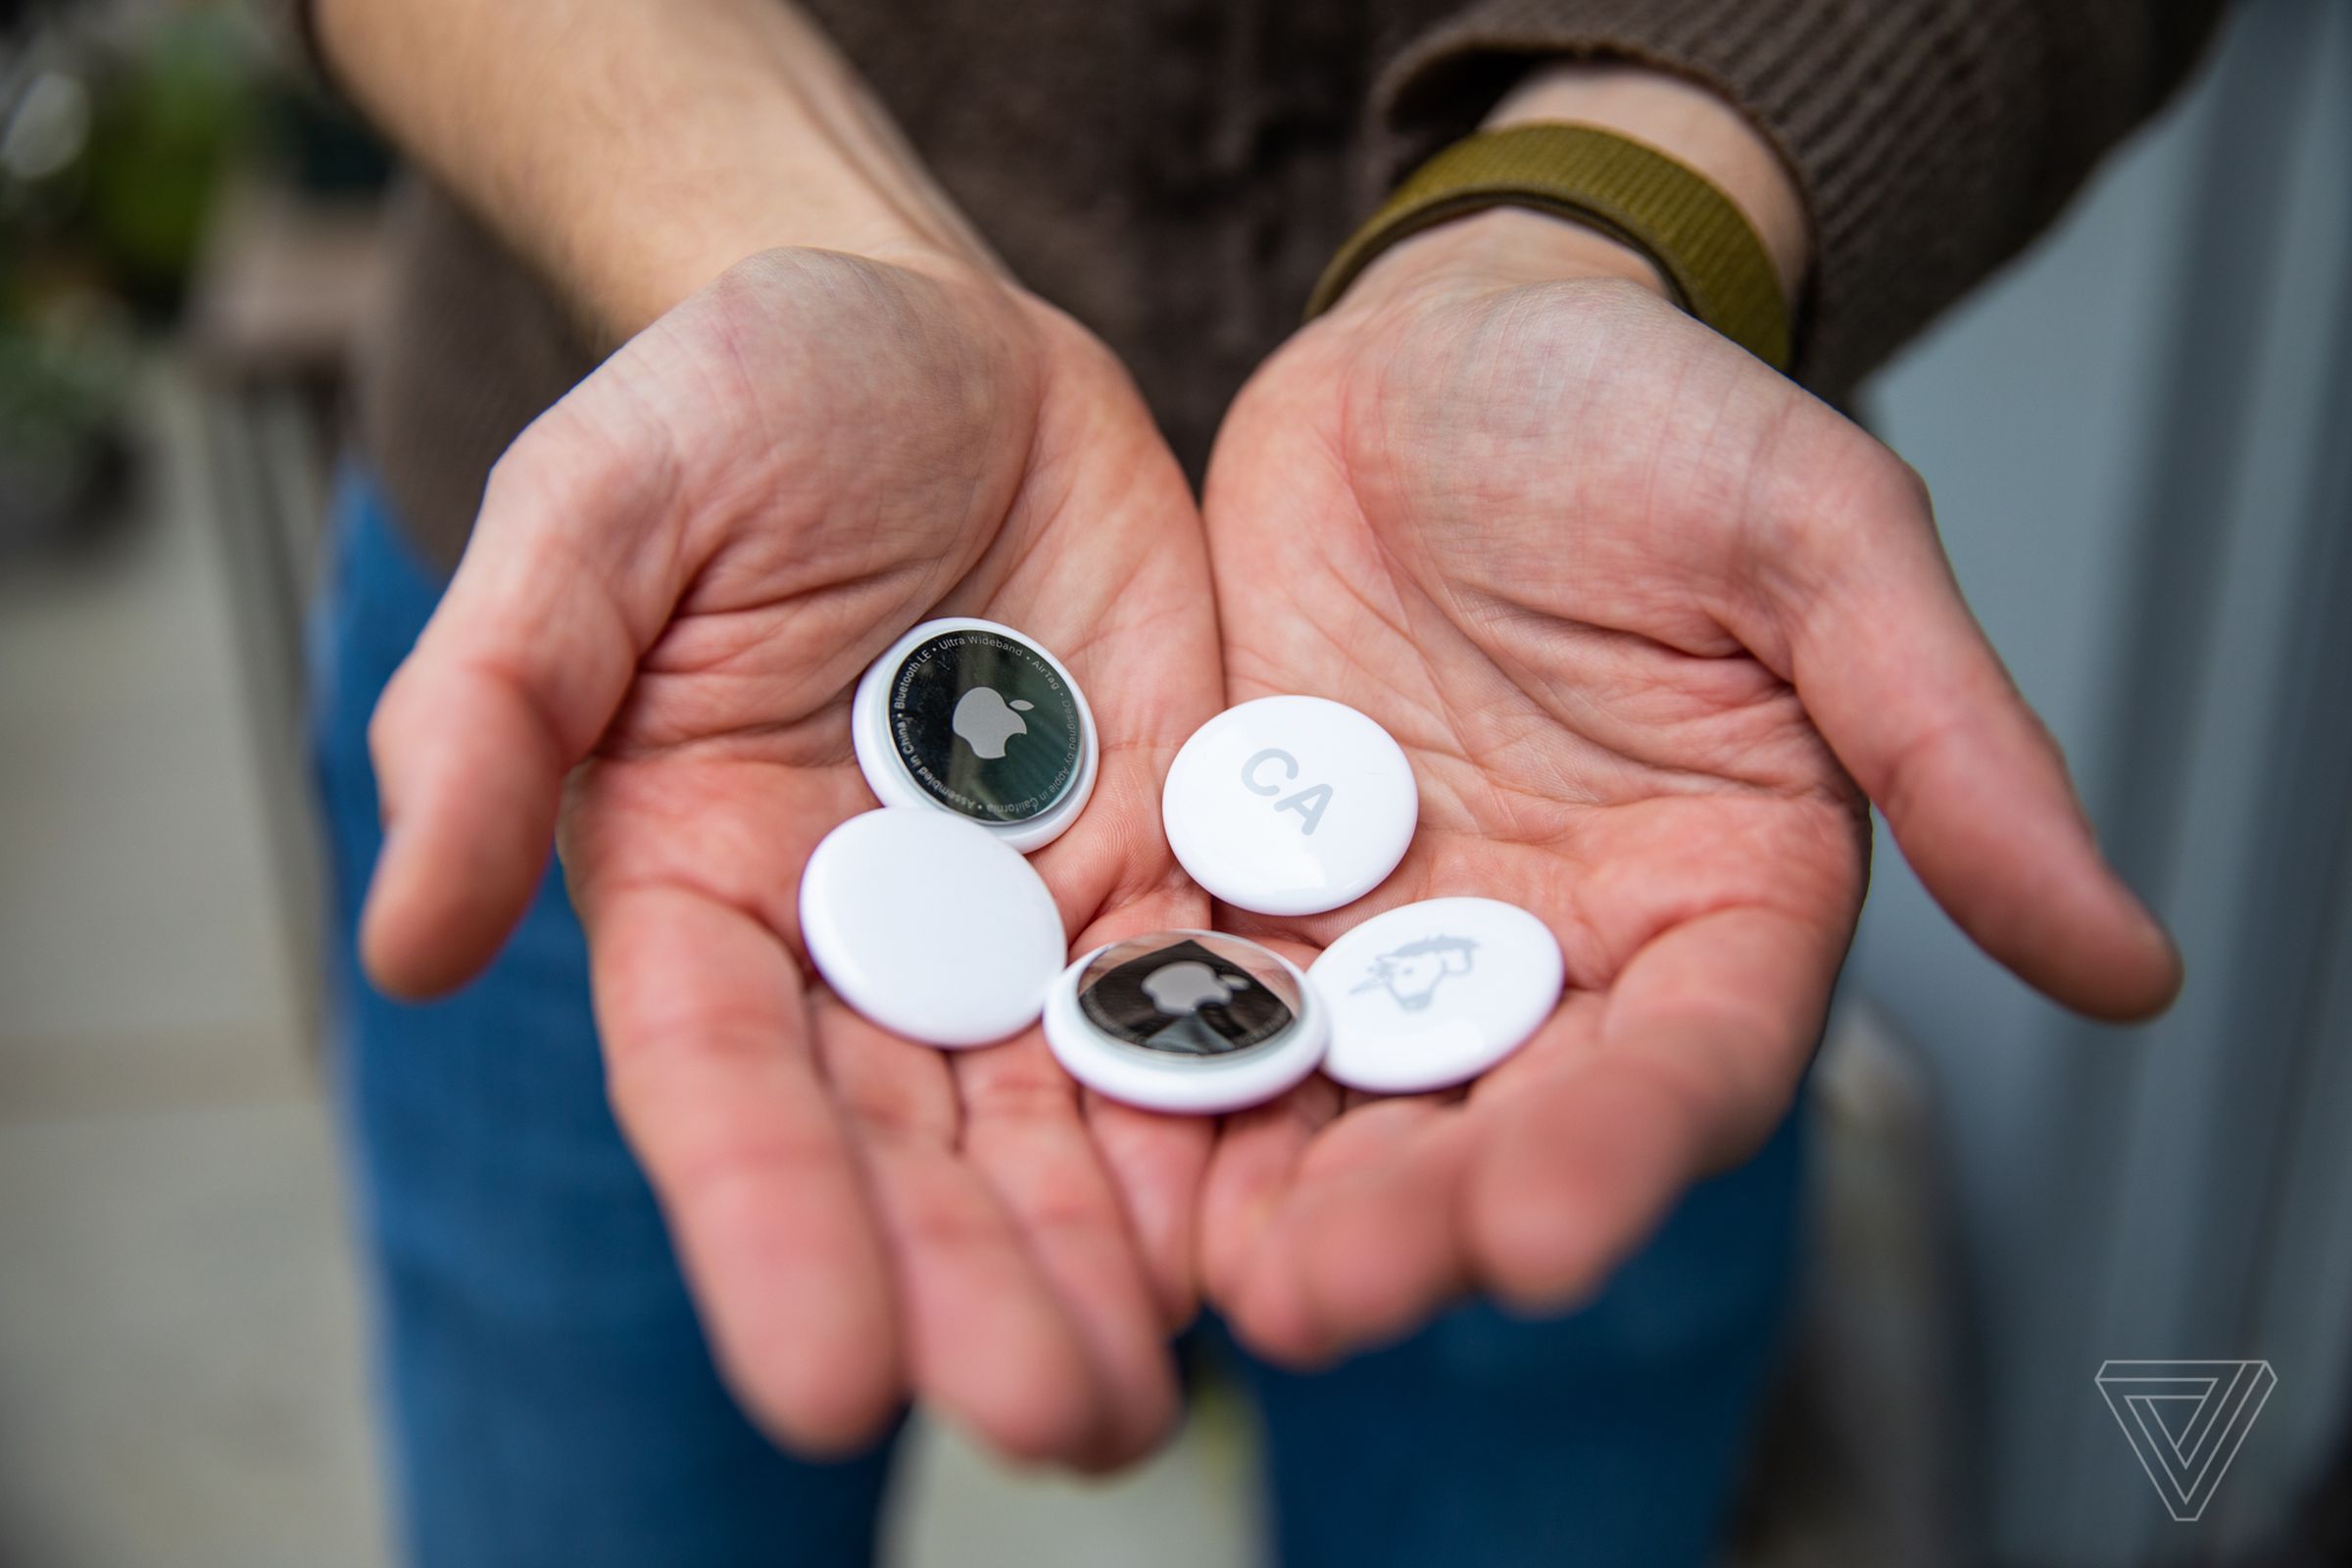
x=1186 y=1021
x=972 y=717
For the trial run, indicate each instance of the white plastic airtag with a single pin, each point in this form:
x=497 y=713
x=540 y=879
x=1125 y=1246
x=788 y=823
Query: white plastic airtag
x=1290 y=804
x=970 y=718
x=1432 y=993
x=1186 y=1020
x=931 y=926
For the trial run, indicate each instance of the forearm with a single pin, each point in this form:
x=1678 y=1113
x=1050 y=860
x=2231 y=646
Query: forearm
x=633 y=150
x=1691 y=124
x=1931 y=138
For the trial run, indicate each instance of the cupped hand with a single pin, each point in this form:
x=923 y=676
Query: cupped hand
x=1651 y=624
x=678 y=574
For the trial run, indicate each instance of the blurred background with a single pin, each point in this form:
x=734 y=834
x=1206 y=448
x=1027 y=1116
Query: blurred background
x=2140 y=444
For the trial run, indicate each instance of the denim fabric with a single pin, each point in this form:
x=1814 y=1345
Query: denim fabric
x=549 y=1400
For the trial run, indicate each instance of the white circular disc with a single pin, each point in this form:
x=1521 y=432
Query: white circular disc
x=1185 y=1021
x=931 y=926
x=976 y=719
x=1290 y=804
x=1432 y=993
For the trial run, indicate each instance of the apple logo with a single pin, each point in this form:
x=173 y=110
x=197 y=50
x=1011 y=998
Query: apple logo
x=985 y=722
x=1182 y=989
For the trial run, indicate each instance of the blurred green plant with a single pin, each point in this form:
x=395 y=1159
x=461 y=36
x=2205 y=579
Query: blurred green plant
x=161 y=146
x=116 y=143
x=120 y=128
x=167 y=114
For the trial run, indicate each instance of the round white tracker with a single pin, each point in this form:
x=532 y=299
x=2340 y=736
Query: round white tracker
x=931 y=926
x=1290 y=804
x=968 y=716
x=1432 y=993
x=1186 y=1020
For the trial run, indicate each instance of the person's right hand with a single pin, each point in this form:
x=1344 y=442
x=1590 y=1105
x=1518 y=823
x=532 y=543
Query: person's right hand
x=678 y=575
x=1652 y=624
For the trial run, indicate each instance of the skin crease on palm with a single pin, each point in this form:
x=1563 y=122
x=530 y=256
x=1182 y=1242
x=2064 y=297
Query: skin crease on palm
x=677 y=577
x=1649 y=620
x=1641 y=613
x=1634 y=604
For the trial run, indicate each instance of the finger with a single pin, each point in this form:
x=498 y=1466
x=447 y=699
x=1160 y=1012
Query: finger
x=1257 y=1157
x=989 y=1342
x=1366 y=1245
x=1155 y=1161
x=710 y=1071
x=565 y=581
x=1900 y=680
x=1023 y=1132
x=1585 y=1140
x=1119 y=587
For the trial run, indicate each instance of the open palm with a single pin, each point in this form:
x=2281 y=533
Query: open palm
x=678 y=575
x=1641 y=613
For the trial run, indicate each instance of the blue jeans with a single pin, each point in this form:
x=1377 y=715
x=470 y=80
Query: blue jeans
x=548 y=1397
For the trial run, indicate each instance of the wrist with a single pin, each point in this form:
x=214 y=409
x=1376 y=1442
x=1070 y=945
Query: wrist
x=633 y=153
x=817 y=195
x=810 y=161
x=639 y=288
x=1499 y=247
x=1588 y=172
x=1690 y=123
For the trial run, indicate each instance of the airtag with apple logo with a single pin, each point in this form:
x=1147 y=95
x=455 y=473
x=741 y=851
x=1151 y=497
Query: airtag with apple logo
x=972 y=717
x=1185 y=1021
x=1290 y=804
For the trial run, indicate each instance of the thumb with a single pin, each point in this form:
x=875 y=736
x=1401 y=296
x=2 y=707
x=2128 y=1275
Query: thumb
x=1900 y=680
x=567 y=579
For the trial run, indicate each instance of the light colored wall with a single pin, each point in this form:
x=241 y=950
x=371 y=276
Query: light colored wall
x=2129 y=436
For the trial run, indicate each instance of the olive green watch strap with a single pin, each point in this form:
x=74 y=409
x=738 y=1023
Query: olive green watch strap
x=1700 y=243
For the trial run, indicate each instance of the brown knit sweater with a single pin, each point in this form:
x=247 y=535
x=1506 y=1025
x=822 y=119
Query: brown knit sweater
x=1175 y=172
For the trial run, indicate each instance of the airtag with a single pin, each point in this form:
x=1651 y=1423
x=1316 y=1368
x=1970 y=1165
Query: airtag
x=1185 y=1020
x=930 y=926
x=972 y=717
x=1290 y=804
x=1432 y=993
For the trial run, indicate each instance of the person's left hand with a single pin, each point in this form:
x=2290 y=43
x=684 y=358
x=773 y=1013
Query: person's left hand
x=1642 y=613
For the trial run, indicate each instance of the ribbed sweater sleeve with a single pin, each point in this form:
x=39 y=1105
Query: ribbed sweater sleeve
x=1932 y=139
